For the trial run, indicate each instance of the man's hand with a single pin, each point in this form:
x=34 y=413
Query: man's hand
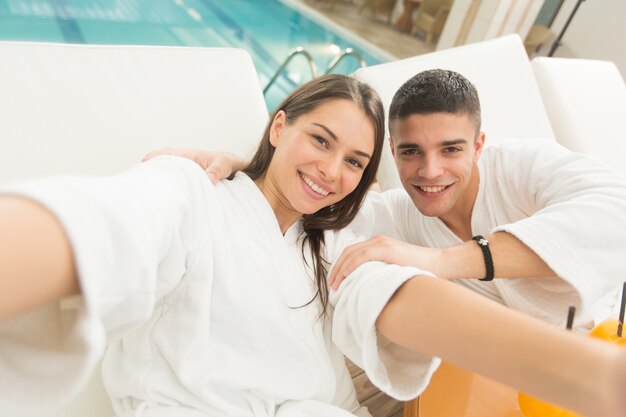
x=385 y=249
x=217 y=165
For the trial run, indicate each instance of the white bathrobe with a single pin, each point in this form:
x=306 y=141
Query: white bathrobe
x=568 y=208
x=204 y=303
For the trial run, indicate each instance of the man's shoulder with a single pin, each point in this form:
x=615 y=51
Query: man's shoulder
x=393 y=197
x=382 y=213
x=521 y=146
x=521 y=151
x=394 y=201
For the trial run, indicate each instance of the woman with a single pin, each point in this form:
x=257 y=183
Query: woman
x=214 y=298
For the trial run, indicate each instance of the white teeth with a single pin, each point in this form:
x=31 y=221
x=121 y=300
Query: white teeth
x=432 y=189
x=314 y=186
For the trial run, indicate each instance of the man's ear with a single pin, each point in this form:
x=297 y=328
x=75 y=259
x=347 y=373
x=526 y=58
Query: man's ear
x=277 y=126
x=479 y=145
x=393 y=150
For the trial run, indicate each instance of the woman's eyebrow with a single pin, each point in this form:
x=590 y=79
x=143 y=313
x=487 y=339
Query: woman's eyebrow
x=330 y=132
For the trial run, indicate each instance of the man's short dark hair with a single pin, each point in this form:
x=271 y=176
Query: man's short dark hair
x=436 y=91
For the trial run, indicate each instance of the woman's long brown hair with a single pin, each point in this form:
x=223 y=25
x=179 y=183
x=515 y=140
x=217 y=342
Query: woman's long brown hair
x=337 y=216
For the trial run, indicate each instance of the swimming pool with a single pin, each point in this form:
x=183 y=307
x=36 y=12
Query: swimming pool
x=268 y=29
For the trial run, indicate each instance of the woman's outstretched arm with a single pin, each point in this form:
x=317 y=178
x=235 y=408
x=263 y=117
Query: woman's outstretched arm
x=440 y=318
x=36 y=262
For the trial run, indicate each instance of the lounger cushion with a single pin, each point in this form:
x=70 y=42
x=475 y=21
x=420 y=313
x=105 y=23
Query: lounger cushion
x=586 y=103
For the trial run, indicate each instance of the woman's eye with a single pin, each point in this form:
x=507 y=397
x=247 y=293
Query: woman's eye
x=321 y=140
x=355 y=163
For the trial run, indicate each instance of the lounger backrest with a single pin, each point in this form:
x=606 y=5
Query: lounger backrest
x=91 y=109
x=586 y=103
x=500 y=70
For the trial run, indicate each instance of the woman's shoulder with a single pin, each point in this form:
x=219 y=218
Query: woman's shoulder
x=241 y=189
x=181 y=171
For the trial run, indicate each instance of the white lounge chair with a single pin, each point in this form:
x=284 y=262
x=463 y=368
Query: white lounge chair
x=87 y=109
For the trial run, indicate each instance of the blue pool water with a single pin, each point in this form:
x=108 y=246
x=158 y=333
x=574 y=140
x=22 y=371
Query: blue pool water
x=268 y=29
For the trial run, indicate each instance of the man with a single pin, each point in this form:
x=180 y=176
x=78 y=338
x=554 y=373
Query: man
x=525 y=222
x=546 y=223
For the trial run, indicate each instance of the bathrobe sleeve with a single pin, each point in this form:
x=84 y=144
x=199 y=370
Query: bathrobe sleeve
x=133 y=237
x=399 y=372
x=576 y=214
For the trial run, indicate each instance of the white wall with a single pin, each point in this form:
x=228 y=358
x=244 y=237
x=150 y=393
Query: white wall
x=598 y=31
x=454 y=25
x=477 y=20
x=490 y=16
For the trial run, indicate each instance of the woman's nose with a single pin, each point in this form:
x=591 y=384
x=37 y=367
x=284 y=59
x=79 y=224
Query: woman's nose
x=331 y=167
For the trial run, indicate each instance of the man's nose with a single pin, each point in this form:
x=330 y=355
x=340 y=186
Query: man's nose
x=430 y=167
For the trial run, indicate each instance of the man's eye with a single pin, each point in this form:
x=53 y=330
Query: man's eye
x=452 y=149
x=409 y=152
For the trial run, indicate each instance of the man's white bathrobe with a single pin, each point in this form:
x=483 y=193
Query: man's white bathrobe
x=204 y=303
x=568 y=208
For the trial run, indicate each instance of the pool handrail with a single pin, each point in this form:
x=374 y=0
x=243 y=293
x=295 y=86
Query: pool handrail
x=297 y=51
x=344 y=54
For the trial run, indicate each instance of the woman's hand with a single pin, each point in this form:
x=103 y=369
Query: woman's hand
x=385 y=249
x=217 y=165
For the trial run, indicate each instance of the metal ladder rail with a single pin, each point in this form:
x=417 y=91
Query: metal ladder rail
x=341 y=56
x=298 y=51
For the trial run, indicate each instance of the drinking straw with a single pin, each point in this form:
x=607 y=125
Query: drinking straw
x=621 y=312
x=570 y=317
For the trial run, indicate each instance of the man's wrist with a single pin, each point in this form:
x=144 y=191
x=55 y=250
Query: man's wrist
x=462 y=261
x=451 y=262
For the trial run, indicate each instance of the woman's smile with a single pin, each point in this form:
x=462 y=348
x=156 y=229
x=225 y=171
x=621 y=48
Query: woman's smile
x=315 y=189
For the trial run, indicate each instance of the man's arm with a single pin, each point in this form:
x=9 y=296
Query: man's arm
x=511 y=258
x=573 y=228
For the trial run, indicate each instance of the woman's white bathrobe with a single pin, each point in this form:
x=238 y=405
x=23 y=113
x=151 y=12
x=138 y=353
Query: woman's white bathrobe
x=568 y=208
x=201 y=297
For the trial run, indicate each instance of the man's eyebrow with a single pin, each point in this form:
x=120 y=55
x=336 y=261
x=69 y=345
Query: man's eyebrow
x=444 y=143
x=336 y=139
x=454 y=142
x=407 y=146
